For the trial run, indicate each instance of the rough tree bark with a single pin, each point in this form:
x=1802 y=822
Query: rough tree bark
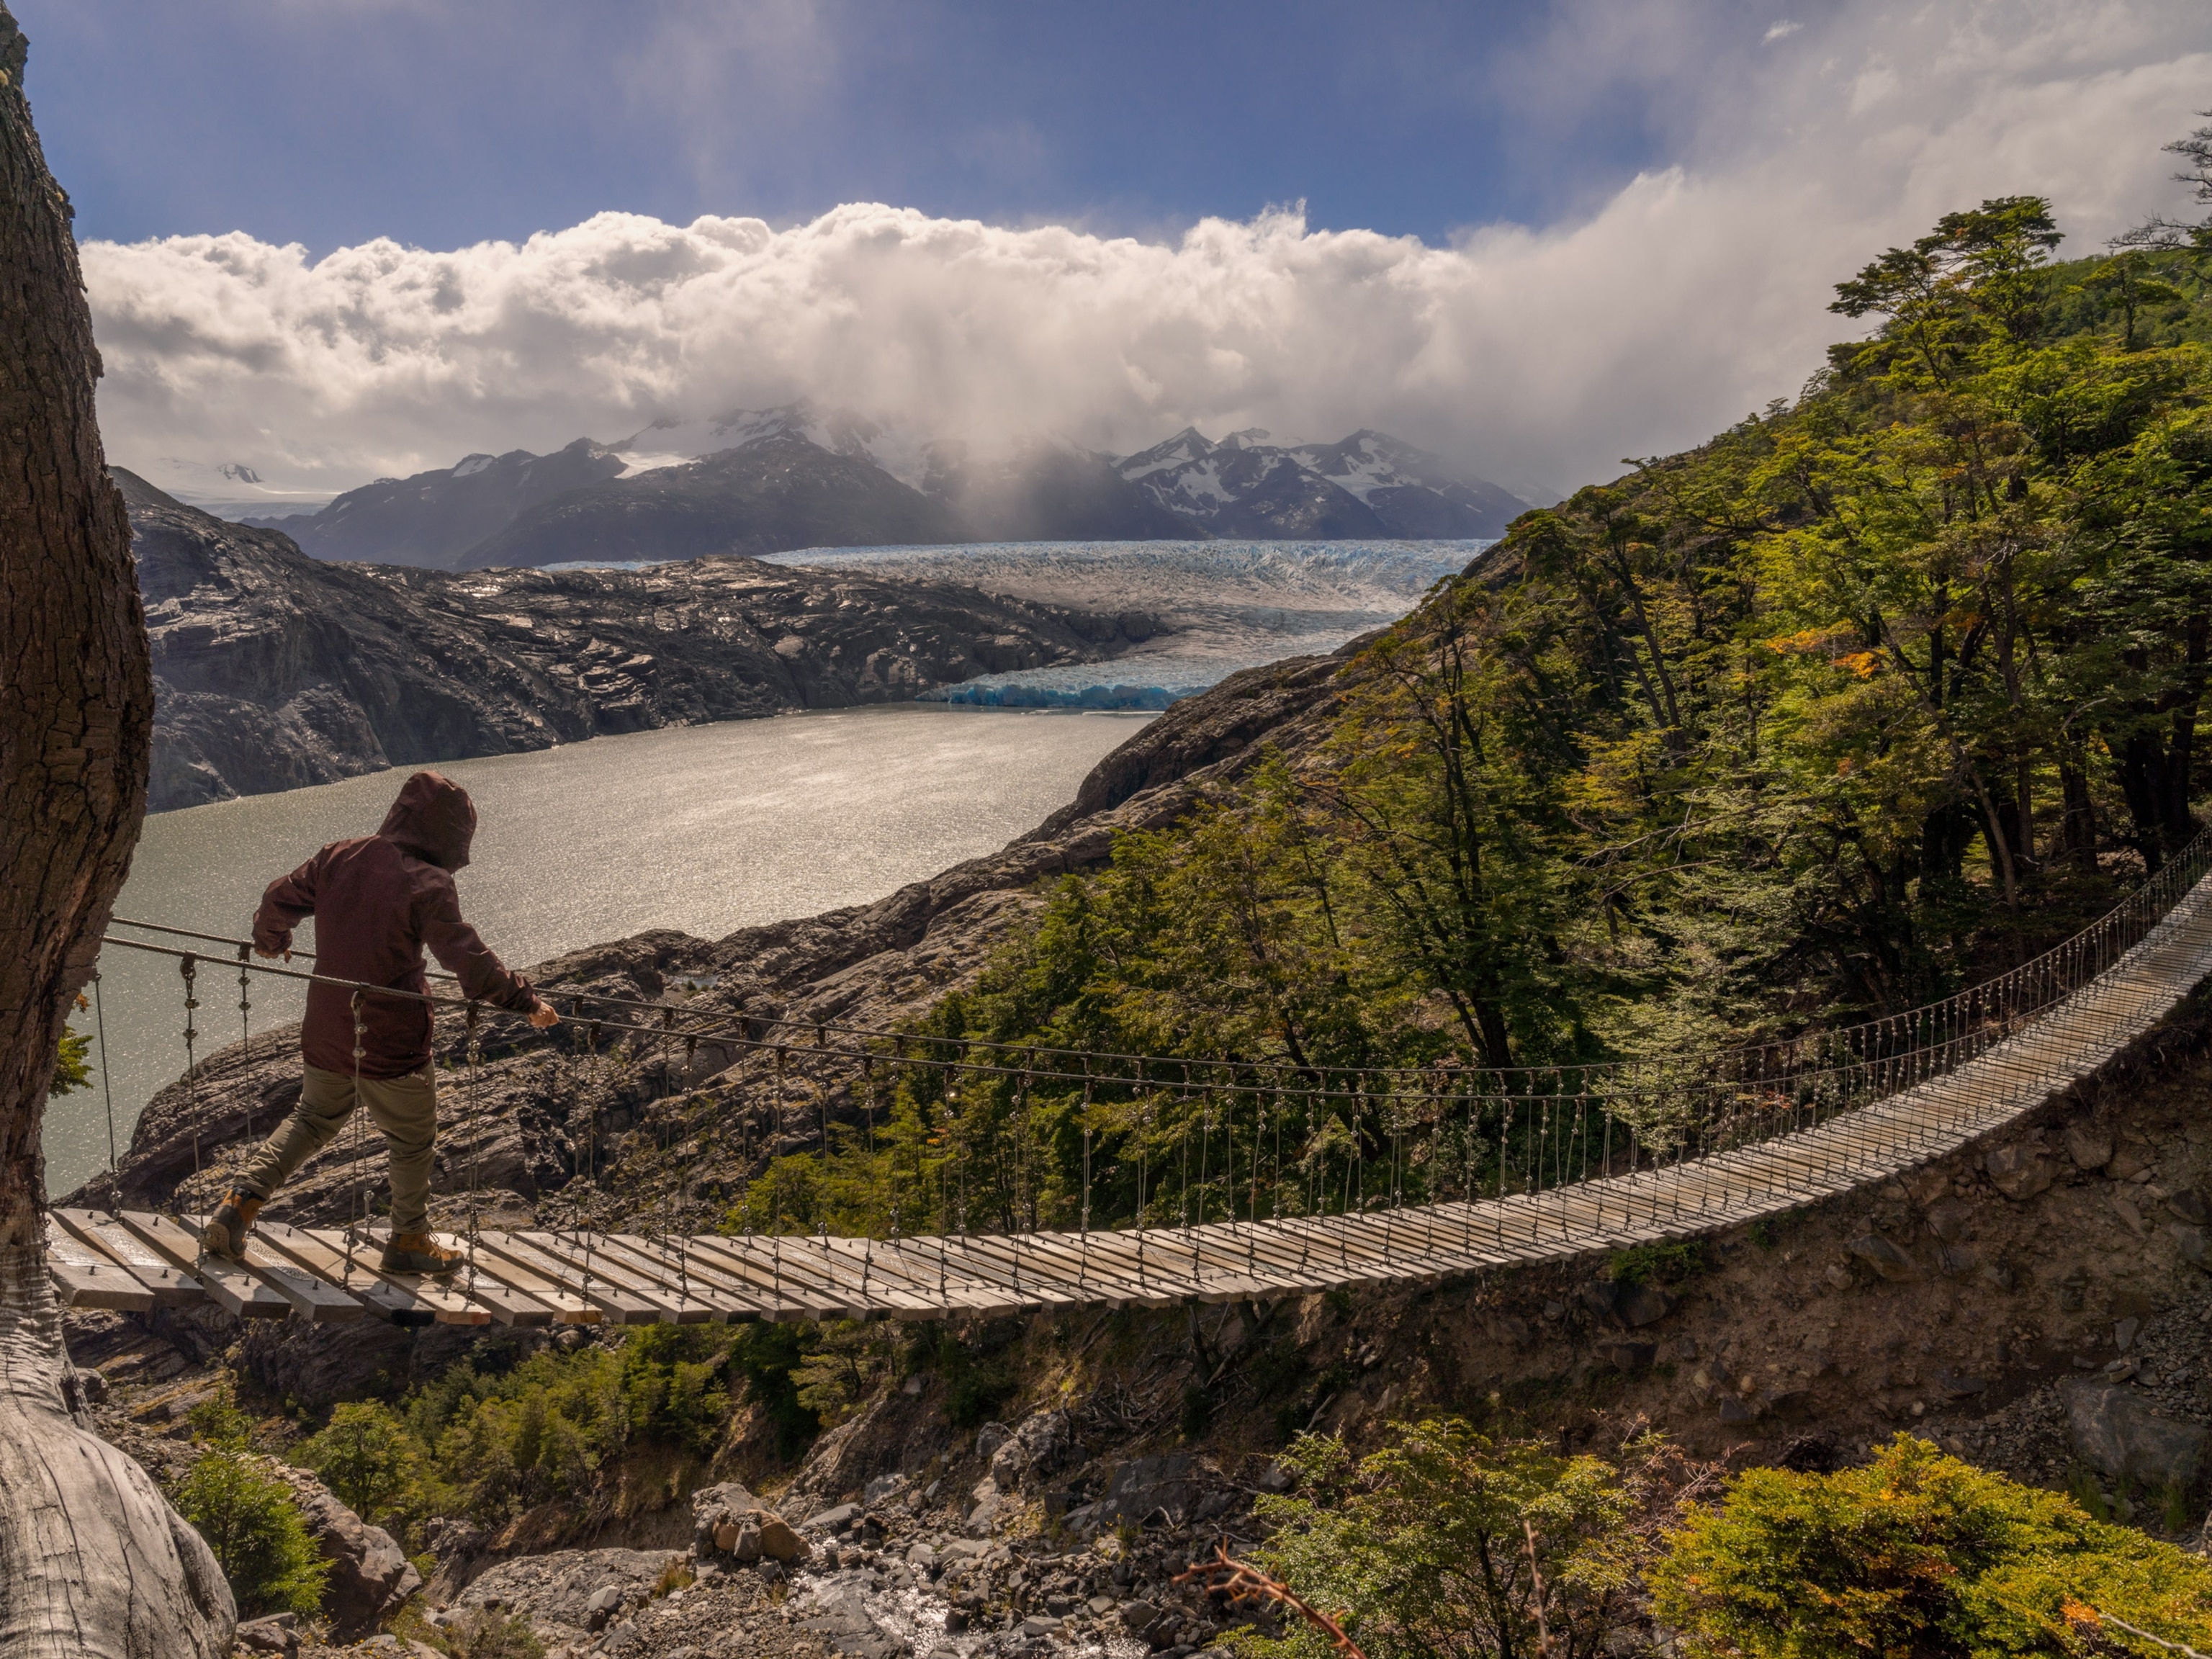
x=93 y=1561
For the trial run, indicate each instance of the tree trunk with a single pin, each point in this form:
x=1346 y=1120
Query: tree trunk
x=92 y=1560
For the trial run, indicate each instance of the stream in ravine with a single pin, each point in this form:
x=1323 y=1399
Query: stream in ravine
x=705 y=829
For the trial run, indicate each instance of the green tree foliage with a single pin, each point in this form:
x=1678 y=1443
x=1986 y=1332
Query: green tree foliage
x=247 y=1515
x=506 y=1440
x=250 y=1520
x=1450 y=1542
x=367 y=1456
x=489 y=1442
x=72 y=1063
x=1919 y=1554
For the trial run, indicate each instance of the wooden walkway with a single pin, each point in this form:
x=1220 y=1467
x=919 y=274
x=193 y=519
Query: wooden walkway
x=135 y=1260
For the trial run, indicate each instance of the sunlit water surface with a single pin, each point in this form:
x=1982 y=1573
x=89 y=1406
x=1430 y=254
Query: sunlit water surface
x=705 y=829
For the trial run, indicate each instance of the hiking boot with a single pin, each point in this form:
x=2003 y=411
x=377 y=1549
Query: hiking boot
x=226 y=1229
x=417 y=1253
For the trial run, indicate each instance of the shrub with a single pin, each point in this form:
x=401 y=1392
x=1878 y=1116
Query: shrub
x=365 y=1455
x=250 y=1522
x=1919 y=1554
x=1449 y=1541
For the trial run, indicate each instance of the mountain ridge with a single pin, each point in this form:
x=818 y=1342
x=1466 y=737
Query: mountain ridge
x=751 y=482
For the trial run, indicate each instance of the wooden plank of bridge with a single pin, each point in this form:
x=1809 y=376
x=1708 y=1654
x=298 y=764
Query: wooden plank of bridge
x=591 y=1254
x=405 y=1306
x=794 y=1295
x=1226 y=1258
x=512 y=1268
x=684 y=1295
x=1156 y=1280
x=987 y=1259
x=229 y=1286
x=311 y=1299
x=86 y=1278
x=707 y=1281
x=170 y=1287
x=843 y=1273
x=927 y=1266
x=791 y=1268
x=1096 y=1271
x=906 y=1281
x=325 y=1251
x=1202 y=1279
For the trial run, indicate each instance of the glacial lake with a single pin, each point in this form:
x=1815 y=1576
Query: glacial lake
x=707 y=828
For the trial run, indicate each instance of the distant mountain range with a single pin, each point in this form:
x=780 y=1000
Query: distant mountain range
x=754 y=482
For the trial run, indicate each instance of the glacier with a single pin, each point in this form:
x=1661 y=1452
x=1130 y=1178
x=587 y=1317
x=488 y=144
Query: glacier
x=1225 y=605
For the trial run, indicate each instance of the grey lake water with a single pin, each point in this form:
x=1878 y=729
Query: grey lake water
x=705 y=829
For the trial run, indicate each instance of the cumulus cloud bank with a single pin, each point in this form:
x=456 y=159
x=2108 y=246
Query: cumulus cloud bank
x=1535 y=356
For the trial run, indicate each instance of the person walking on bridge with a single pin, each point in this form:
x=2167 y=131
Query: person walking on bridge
x=377 y=900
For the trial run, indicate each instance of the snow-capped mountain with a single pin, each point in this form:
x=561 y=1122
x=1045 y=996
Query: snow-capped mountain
x=670 y=442
x=1370 y=485
x=798 y=476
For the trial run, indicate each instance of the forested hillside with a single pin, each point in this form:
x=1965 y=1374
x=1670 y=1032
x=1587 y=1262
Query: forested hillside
x=1874 y=694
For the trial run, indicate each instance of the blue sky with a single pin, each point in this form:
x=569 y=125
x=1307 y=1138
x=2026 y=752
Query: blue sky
x=336 y=240
x=330 y=122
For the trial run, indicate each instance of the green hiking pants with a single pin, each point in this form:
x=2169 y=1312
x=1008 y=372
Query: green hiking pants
x=405 y=1108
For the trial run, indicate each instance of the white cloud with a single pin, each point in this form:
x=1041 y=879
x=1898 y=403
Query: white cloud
x=1694 y=294
x=1781 y=31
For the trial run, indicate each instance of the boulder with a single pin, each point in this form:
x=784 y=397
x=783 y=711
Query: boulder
x=279 y=1633
x=990 y=1438
x=1629 y=1306
x=2196 y=1249
x=1626 y=1356
x=836 y=1519
x=1881 y=1255
x=2089 y=1144
x=2191 y=1205
x=2019 y=1171
x=717 y=1507
x=744 y=1543
x=370 y=1575
x=1139 y=1617
x=1031 y=1449
x=1948 y=1218
x=778 y=1542
x=2117 y=1435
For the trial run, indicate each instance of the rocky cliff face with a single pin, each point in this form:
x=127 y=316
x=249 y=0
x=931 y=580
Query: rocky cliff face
x=273 y=670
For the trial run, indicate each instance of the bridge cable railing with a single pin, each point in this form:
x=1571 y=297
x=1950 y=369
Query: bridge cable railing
x=991 y=1139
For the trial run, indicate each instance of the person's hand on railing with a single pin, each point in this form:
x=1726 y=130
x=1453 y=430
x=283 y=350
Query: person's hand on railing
x=543 y=1018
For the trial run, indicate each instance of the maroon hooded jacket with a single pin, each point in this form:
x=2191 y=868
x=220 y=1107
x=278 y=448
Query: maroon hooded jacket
x=377 y=900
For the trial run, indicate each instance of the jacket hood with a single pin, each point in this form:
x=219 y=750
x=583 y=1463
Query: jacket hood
x=434 y=818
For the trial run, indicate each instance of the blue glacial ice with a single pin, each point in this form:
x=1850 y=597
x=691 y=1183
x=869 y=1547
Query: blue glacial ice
x=1225 y=605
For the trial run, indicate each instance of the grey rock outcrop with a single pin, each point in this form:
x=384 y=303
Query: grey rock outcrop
x=2118 y=1436
x=1033 y=1448
x=370 y=1575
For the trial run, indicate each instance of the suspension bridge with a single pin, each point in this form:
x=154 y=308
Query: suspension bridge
x=1487 y=1167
